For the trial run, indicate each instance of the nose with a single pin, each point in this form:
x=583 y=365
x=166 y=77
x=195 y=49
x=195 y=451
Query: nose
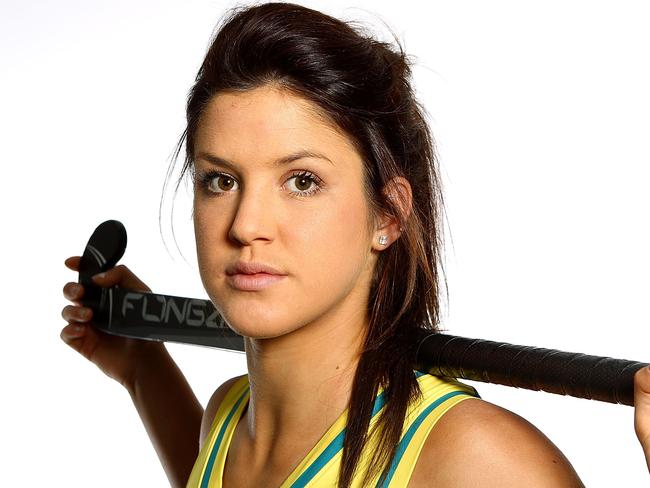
x=253 y=218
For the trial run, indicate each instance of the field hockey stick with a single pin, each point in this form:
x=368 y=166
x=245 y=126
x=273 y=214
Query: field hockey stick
x=153 y=316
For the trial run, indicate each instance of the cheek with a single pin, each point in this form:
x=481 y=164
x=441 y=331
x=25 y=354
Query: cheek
x=199 y=226
x=206 y=231
x=333 y=243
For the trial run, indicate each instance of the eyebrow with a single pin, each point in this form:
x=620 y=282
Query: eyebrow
x=304 y=153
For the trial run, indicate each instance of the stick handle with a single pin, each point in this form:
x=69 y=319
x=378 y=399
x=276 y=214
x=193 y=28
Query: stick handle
x=534 y=368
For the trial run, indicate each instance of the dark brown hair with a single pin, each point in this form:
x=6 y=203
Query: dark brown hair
x=363 y=86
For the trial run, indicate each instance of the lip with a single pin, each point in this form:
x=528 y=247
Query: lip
x=251 y=268
x=253 y=282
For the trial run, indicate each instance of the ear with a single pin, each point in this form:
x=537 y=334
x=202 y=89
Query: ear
x=398 y=190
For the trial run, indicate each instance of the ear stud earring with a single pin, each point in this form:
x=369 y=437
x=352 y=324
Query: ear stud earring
x=383 y=240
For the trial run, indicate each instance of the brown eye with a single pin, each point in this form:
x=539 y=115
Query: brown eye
x=303 y=183
x=226 y=183
x=306 y=184
x=215 y=182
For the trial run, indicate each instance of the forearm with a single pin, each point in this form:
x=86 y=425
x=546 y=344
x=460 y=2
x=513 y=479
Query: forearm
x=170 y=413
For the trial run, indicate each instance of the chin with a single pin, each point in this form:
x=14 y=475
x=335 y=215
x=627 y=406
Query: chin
x=258 y=328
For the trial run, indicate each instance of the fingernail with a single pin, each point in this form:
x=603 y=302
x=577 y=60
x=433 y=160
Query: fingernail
x=99 y=276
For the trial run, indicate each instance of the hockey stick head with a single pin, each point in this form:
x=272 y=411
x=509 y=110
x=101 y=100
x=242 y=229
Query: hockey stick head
x=105 y=248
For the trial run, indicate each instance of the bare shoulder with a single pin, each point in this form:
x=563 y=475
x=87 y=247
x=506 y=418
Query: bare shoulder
x=479 y=444
x=212 y=406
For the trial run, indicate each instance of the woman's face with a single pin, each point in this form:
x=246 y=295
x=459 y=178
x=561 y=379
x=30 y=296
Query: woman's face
x=316 y=231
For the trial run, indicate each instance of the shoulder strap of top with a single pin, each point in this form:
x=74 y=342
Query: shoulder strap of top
x=439 y=395
x=234 y=392
x=209 y=463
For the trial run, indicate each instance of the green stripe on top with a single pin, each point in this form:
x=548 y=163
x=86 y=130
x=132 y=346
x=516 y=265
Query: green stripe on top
x=331 y=450
x=406 y=439
x=335 y=446
x=215 y=449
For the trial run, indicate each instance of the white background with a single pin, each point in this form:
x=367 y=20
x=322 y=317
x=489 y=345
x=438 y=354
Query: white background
x=540 y=111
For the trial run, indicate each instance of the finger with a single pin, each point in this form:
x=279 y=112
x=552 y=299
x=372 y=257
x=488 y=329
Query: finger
x=73 y=334
x=73 y=262
x=74 y=329
x=73 y=313
x=110 y=277
x=73 y=291
x=122 y=276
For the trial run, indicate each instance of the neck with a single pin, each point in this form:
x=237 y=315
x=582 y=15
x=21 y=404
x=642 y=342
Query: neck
x=300 y=383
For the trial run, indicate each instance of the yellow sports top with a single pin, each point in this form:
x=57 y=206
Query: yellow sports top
x=320 y=468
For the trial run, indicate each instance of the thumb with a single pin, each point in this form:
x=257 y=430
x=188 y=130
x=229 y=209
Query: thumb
x=122 y=276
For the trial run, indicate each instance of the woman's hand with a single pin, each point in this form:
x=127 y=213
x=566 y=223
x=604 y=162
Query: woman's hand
x=642 y=410
x=118 y=357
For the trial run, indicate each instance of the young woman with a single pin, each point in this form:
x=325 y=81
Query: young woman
x=318 y=224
